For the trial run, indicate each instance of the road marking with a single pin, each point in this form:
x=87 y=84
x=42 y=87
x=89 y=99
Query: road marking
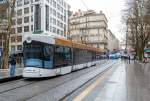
x=92 y=86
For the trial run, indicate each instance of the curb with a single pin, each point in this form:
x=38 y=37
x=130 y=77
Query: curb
x=7 y=79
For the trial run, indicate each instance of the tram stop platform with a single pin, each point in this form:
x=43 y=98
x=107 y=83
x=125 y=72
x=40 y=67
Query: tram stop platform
x=125 y=82
x=4 y=75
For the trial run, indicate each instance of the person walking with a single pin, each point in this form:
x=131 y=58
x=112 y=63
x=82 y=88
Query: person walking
x=12 y=63
x=129 y=58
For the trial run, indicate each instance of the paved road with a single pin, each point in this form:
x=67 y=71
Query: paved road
x=129 y=82
x=51 y=89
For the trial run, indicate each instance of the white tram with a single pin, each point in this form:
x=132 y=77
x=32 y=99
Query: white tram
x=45 y=56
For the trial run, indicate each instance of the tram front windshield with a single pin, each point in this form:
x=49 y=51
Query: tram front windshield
x=38 y=55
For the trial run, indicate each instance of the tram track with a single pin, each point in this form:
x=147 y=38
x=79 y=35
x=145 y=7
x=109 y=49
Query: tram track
x=62 y=99
x=84 y=85
x=28 y=83
x=9 y=79
x=9 y=86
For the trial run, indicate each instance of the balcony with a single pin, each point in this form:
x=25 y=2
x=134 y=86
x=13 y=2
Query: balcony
x=96 y=41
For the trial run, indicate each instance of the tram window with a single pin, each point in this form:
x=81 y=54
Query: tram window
x=81 y=56
x=33 y=55
x=62 y=56
x=48 y=52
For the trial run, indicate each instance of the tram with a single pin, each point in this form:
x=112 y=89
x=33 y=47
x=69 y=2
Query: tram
x=47 y=56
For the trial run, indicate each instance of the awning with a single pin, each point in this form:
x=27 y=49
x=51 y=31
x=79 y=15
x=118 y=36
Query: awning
x=147 y=50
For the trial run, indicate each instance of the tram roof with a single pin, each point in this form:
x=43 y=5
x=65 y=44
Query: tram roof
x=69 y=43
x=58 y=41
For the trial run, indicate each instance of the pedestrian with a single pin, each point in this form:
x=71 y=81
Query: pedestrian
x=12 y=62
x=146 y=57
x=129 y=59
x=134 y=58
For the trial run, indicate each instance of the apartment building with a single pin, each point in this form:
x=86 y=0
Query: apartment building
x=113 y=42
x=90 y=28
x=48 y=17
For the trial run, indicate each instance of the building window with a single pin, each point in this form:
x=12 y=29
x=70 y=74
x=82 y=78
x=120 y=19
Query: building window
x=19 y=38
x=61 y=9
x=51 y=2
x=62 y=17
x=13 y=31
x=58 y=23
x=19 y=3
x=54 y=21
x=26 y=28
x=47 y=17
x=51 y=10
x=54 y=30
x=58 y=6
x=31 y=27
x=13 y=48
x=37 y=18
x=58 y=31
x=62 y=32
x=26 y=19
x=13 y=13
x=64 y=29
x=64 y=4
x=26 y=2
x=19 y=47
x=19 y=21
x=54 y=12
x=51 y=19
x=65 y=19
x=61 y=25
x=32 y=18
x=13 y=22
x=19 y=12
x=54 y=3
x=26 y=10
x=31 y=8
x=19 y=29
x=50 y=28
x=13 y=40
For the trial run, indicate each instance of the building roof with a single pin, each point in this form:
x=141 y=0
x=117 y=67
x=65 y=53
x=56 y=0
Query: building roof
x=81 y=14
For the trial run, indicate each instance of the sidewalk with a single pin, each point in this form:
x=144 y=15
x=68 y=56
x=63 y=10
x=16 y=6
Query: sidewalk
x=129 y=82
x=4 y=74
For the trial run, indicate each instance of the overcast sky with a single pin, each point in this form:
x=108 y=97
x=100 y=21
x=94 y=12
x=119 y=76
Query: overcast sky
x=111 y=8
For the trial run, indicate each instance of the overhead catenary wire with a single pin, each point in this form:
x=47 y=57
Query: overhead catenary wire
x=87 y=31
x=85 y=5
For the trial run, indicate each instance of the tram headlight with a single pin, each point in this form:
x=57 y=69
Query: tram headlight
x=29 y=40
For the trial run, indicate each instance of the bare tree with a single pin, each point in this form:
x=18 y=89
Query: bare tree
x=10 y=13
x=138 y=26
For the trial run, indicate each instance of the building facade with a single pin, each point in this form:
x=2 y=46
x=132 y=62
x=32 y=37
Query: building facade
x=113 y=42
x=48 y=17
x=89 y=28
